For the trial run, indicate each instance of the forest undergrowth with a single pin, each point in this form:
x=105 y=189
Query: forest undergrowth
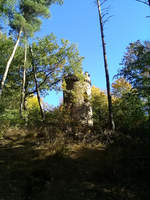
x=39 y=167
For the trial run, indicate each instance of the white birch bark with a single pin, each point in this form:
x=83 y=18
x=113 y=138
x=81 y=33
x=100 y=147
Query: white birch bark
x=9 y=63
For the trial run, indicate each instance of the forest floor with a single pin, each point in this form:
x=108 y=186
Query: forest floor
x=32 y=169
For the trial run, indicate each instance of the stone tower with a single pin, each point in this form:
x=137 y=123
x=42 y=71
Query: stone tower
x=77 y=97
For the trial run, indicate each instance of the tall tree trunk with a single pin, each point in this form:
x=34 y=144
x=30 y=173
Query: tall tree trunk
x=111 y=121
x=148 y=104
x=9 y=63
x=22 y=101
x=36 y=86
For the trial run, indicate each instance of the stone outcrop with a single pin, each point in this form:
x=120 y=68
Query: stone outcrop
x=77 y=96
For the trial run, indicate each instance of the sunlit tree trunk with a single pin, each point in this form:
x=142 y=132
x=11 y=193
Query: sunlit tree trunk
x=111 y=121
x=23 y=82
x=148 y=108
x=9 y=63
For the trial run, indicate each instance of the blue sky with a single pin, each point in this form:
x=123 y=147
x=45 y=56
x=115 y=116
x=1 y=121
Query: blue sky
x=78 y=22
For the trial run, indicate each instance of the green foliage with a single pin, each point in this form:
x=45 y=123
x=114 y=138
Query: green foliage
x=120 y=87
x=128 y=112
x=6 y=7
x=13 y=81
x=28 y=13
x=128 y=108
x=9 y=110
x=136 y=64
x=58 y=118
x=10 y=116
x=53 y=61
x=100 y=107
x=136 y=69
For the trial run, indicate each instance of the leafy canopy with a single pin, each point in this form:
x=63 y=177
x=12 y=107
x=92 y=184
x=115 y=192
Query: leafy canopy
x=120 y=87
x=28 y=13
x=136 y=66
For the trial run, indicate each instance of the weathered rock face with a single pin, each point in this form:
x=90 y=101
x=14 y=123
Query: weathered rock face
x=77 y=98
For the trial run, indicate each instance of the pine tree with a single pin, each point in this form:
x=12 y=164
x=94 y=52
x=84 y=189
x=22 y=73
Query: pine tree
x=26 y=21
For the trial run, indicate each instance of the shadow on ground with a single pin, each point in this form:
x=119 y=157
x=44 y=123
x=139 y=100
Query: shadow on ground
x=96 y=173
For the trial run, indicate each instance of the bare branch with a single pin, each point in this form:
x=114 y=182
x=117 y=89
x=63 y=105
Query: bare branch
x=104 y=15
x=103 y=2
x=147 y=2
x=107 y=19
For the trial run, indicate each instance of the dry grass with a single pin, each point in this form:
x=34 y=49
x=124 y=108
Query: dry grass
x=39 y=168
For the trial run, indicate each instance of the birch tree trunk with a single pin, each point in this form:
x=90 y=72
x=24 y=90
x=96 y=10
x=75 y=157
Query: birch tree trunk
x=36 y=87
x=111 y=121
x=9 y=63
x=23 y=83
